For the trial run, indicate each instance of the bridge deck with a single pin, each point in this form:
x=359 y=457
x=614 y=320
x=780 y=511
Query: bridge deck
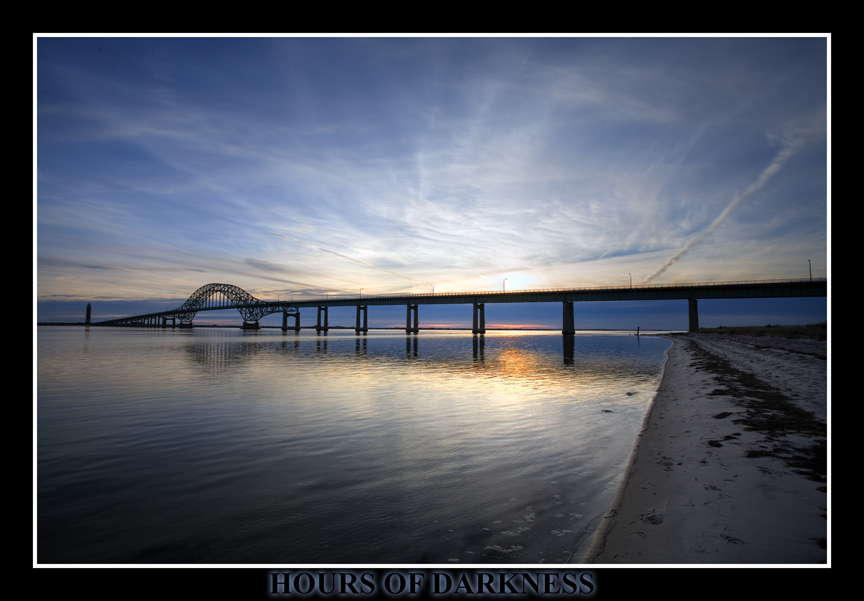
x=693 y=292
x=759 y=289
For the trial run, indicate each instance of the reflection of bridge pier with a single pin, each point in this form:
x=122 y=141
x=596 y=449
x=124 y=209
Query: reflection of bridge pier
x=365 y=324
x=296 y=327
x=322 y=309
x=411 y=341
x=479 y=319
x=251 y=325
x=479 y=347
x=569 y=347
x=416 y=328
x=360 y=350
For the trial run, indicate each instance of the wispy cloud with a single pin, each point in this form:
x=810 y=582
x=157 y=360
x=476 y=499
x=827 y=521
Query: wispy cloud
x=791 y=142
x=397 y=164
x=306 y=244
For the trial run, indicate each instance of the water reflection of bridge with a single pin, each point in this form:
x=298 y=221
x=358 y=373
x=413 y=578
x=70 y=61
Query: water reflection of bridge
x=222 y=354
x=215 y=297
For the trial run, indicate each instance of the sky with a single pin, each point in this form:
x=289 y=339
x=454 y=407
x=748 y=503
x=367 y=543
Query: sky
x=308 y=166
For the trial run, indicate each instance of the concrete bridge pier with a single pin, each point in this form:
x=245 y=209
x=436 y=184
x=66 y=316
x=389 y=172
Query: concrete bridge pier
x=479 y=326
x=568 y=328
x=365 y=323
x=251 y=325
x=694 y=315
x=296 y=316
x=416 y=328
x=322 y=328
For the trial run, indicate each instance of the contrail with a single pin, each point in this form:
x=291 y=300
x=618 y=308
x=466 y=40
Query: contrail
x=787 y=151
x=344 y=257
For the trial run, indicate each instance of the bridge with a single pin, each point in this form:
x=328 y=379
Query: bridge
x=215 y=297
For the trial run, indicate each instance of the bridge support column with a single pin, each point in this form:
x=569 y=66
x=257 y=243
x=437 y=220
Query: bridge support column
x=694 y=315
x=251 y=325
x=416 y=327
x=296 y=317
x=364 y=327
x=479 y=326
x=322 y=328
x=568 y=328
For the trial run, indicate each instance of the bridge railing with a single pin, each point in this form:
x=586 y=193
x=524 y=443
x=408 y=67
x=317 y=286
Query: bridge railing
x=541 y=290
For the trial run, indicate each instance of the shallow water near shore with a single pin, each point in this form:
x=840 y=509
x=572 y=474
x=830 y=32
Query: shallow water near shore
x=223 y=446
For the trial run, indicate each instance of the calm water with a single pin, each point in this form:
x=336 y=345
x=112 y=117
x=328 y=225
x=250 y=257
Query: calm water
x=221 y=446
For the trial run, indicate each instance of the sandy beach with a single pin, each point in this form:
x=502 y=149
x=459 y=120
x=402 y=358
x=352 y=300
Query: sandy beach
x=731 y=464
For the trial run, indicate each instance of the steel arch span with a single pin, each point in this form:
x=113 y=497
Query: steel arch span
x=224 y=296
x=211 y=297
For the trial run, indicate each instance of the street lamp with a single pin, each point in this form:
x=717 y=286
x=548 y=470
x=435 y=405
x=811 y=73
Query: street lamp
x=811 y=269
x=631 y=279
x=505 y=284
x=433 y=288
x=361 y=293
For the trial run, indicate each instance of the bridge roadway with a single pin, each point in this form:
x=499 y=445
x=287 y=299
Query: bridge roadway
x=214 y=297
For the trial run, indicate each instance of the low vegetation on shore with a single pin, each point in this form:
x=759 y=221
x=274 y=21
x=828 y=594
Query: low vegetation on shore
x=813 y=331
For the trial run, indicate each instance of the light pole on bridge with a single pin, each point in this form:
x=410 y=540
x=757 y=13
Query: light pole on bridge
x=811 y=269
x=505 y=284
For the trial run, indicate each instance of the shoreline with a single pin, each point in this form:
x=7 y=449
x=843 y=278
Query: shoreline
x=730 y=464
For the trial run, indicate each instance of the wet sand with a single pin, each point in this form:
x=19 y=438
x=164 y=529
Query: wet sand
x=730 y=467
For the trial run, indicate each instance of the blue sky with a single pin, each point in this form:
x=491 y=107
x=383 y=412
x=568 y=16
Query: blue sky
x=307 y=166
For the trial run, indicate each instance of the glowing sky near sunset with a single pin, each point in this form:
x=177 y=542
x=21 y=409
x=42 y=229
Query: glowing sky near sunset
x=311 y=165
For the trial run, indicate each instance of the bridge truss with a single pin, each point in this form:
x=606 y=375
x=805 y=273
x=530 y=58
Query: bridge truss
x=210 y=297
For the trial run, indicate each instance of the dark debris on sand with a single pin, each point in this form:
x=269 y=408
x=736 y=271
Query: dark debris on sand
x=768 y=411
